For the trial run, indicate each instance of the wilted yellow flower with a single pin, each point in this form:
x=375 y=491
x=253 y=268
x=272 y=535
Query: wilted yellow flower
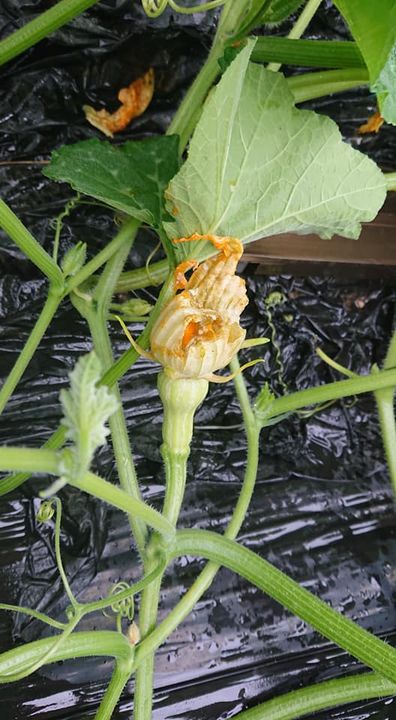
x=198 y=331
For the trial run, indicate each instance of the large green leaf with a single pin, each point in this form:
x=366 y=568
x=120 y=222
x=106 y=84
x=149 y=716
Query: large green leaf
x=257 y=166
x=373 y=25
x=130 y=178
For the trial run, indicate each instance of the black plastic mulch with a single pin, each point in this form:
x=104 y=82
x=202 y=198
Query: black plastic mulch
x=322 y=509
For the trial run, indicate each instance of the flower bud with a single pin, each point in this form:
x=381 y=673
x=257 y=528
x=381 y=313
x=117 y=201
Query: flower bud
x=74 y=259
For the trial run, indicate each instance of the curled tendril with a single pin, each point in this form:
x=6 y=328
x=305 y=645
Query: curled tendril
x=46 y=511
x=155 y=8
x=271 y=301
x=124 y=608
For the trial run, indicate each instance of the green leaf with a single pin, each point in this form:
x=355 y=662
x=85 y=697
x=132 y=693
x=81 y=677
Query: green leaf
x=373 y=26
x=257 y=166
x=87 y=407
x=130 y=178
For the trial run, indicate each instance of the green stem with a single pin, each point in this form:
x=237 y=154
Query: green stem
x=33 y=460
x=11 y=482
x=98 y=643
x=300 y=26
x=180 y=399
x=332 y=391
x=361 y=644
x=187 y=115
x=175 y=473
x=40 y=27
x=100 y=488
x=386 y=415
x=206 y=577
x=58 y=555
x=128 y=592
x=47 y=313
x=126 y=232
x=386 y=412
x=308 y=53
x=96 y=313
x=390 y=180
x=119 y=679
x=44 y=659
x=318 y=84
x=33 y=613
x=312 y=699
x=29 y=245
x=390 y=358
x=47 y=461
x=128 y=358
x=143 y=277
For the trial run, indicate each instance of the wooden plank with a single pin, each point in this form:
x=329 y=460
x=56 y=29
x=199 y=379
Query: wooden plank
x=372 y=255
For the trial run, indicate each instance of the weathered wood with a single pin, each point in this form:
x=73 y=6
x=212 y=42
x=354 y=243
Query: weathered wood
x=372 y=255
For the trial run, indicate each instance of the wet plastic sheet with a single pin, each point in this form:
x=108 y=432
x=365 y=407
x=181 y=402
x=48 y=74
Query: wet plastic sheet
x=322 y=509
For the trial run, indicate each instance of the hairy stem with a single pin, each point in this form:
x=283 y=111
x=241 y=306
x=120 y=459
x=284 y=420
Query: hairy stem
x=386 y=412
x=98 y=643
x=119 y=679
x=127 y=230
x=314 y=698
x=386 y=416
x=206 y=577
x=11 y=482
x=180 y=399
x=96 y=313
x=361 y=644
x=175 y=483
x=47 y=461
x=332 y=391
x=113 y=495
x=47 y=313
x=29 y=245
x=40 y=27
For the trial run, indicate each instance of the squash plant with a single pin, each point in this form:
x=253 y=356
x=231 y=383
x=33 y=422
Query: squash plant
x=255 y=165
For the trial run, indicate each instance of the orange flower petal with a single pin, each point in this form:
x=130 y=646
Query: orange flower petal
x=134 y=100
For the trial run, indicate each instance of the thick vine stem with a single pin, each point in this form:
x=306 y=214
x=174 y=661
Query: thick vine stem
x=299 y=26
x=99 y=643
x=312 y=699
x=360 y=643
x=181 y=398
x=119 y=679
x=206 y=577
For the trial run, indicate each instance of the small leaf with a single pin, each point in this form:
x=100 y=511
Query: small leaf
x=130 y=178
x=258 y=166
x=86 y=410
x=373 y=26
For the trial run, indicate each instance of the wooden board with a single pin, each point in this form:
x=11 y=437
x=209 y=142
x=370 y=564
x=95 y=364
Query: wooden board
x=372 y=255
